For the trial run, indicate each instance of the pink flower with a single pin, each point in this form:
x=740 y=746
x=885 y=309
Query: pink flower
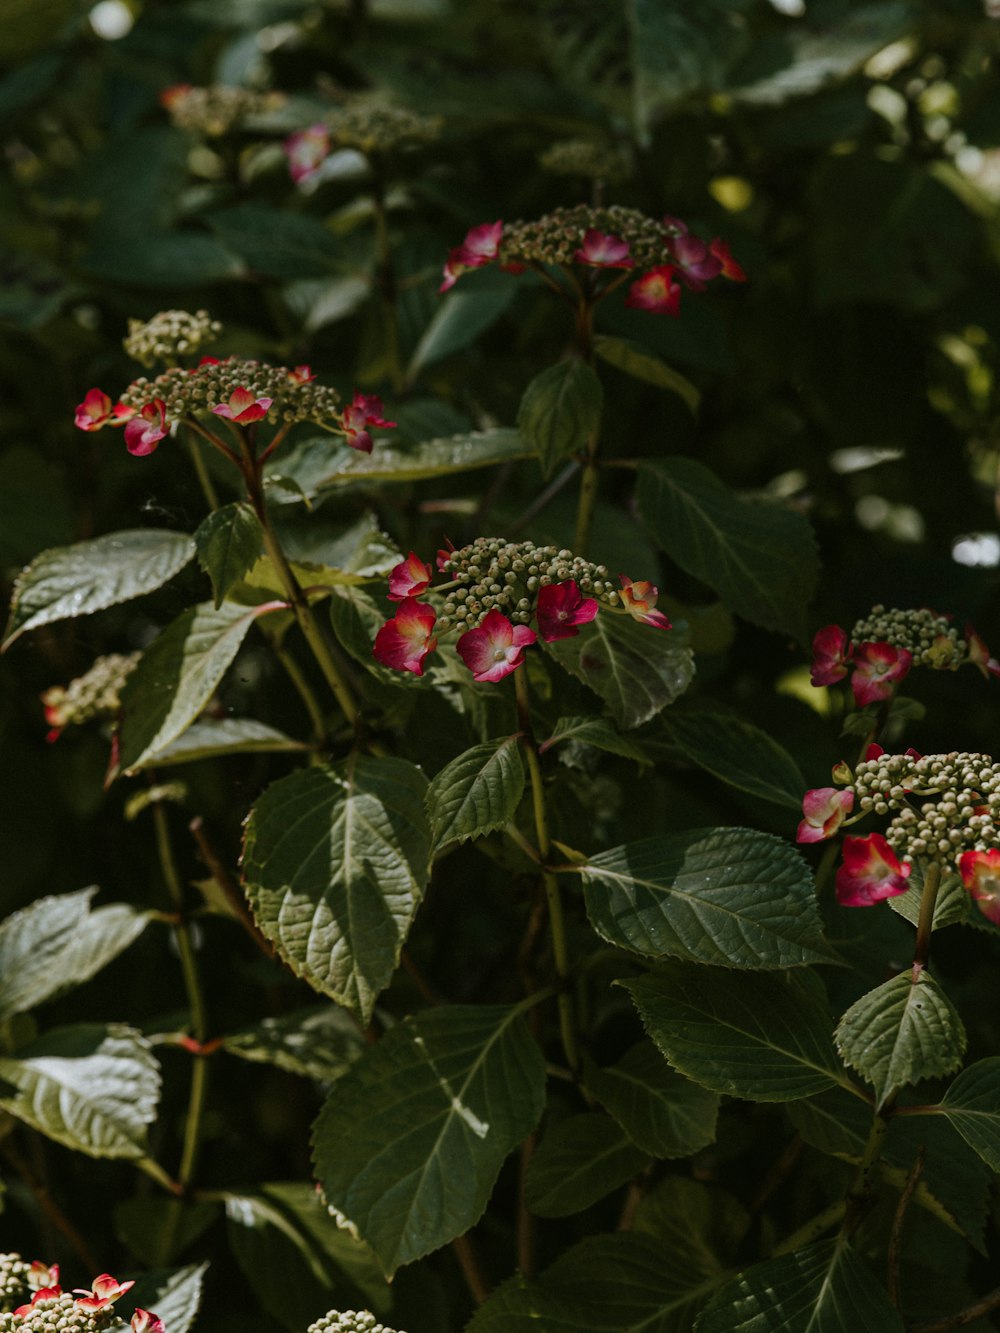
x=444 y=554
x=878 y=669
x=603 y=251
x=306 y=150
x=105 y=1290
x=639 y=599
x=656 y=292
x=825 y=809
x=42 y=1294
x=404 y=641
x=409 y=578
x=243 y=407
x=979 y=654
x=96 y=411
x=980 y=873
x=561 y=609
x=301 y=375
x=142 y=439
x=496 y=648
x=143 y=1321
x=832 y=655
x=695 y=260
x=481 y=246
x=871 y=872
x=730 y=268
x=364 y=410
x=42 y=1275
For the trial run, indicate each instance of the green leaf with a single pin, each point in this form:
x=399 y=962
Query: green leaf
x=77 y=580
x=335 y=862
x=320 y=1042
x=278 y=243
x=477 y=792
x=760 y=557
x=726 y=895
x=157 y=1229
x=175 y=1296
x=754 y=1035
x=901 y=1032
x=598 y=732
x=228 y=542
x=170 y=259
x=211 y=737
x=660 y=1110
x=952 y=905
x=561 y=411
x=972 y=1105
x=580 y=1160
x=58 y=942
x=696 y=1219
x=737 y=752
x=458 y=321
x=410 y=1142
x=824 y=1288
x=177 y=676
x=645 y=365
x=636 y=669
x=92 y=1088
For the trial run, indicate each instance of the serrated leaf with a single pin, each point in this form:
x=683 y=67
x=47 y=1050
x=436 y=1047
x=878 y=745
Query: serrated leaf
x=90 y=1087
x=644 y=365
x=580 y=1160
x=636 y=669
x=335 y=861
x=759 y=557
x=175 y=1296
x=902 y=1031
x=737 y=752
x=599 y=732
x=952 y=905
x=77 y=580
x=824 y=1288
x=755 y=1035
x=212 y=737
x=228 y=542
x=177 y=676
x=561 y=411
x=972 y=1105
x=479 y=791
x=321 y=1042
x=57 y=943
x=409 y=1145
x=732 y=896
x=660 y=1110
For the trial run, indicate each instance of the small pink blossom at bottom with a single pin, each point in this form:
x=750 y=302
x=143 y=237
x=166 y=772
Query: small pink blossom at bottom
x=306 y=150
x=656 y=292
x=145 y=431
x=364 y=410
x=730 y=268
x=979 y=654
x=639 y=598
x=561 y=609
x=825 y=809
x=301 y=375
x=871 y=871
x=878 y=669
x=409 y=578
x=96 y=411
x=404 y=641
x=980 y=873
x=243 y=407
x=496 y=648
x=602 y=250
x=144 y=1321
x=832 y=656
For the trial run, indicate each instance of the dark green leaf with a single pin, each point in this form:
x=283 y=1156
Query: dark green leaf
x=599 y=732
x=737 y=752
x=477 y=792
x=661 y=1111
x=319 y=1042
x=561 y=411
x=228 y=542
x=278 y=243
x=459 y=320
x=972 y=1104
x=168 y=259
x=157 y=1229
x=175 y=1296
x=212 y=737
x=580 y=1160
x=643 y=365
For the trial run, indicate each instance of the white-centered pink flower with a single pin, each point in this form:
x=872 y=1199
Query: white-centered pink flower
x=495 y=648
x=980 y=873
x=825 y=809
x=656 y=292
x=364 y=410
x=878 y=669
x=104 y=1291
x=147 y=428
x=96 y=411
x=480 y=247
x=832 y=656
x=306 y=150
x=409 y=578
x=243 y=407
x=404 y=641
x=561 y=608
x=639 y=599
x=870 y=872
x=301 y=375
x=603 y=250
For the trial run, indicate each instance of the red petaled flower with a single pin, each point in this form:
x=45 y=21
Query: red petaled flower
x=43 y=1275
x=42 y=1294
x=730 y=268
x=878 y=669
x=301 y=375
x=104 y=1291
x=496 y=648
x=825 y=809
x=695 y=261
x=603 y=251
x=145 y=431
x=871 y=871
x=832 y=656
x=980 y=873
x=444 y=554
x=639 y=598
x=306 y=151
x=363 y=411
x=404 y=641
x=656 y=292
x=144 y=1321
x=409 y=578
x=978 y=653
x=96 y=411
x=481 y=246
x=243 y=407
x=561 y=609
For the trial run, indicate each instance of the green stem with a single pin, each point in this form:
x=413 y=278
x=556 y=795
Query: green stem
x=385 y=279
x=925 y=921
x=812 y=1229
x=589 y=479
x=859 y=1197
x=302 y=687
x=201 y=471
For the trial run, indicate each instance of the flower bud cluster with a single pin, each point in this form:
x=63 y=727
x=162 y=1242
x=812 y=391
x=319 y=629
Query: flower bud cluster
x=216 y=109
x=60 y=1314
x=94 y=694
x=13 y=1278
x=373 y=125
x=498 y=575
x=558 y=236
x=169 y=336
x=213 y=382
x=589 y=158
x=349 y=1321
x=931 y=640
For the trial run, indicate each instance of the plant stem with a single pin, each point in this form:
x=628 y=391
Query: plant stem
x=302 y=687
x=967 y=1316
x=925 y=922
x=51 y=1210
x=527 y=1223
x=468 y=1261
x=587 y=499
x=860 y=1193
x=812 y=1229
x=896 y=1234
x=385 y=278
x=204 y=477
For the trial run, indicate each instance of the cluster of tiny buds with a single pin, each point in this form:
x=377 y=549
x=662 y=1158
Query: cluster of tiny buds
x=15 y=1277
x=942 y=804
x=60 y=1314
x=373 y=125
x=556 y=237
x=96 y=693
x=590 y=158
x=496 y=574
x=216 y=109
x=931 y=639
x=170 y=336
x=293 y=397
x=349 y=1321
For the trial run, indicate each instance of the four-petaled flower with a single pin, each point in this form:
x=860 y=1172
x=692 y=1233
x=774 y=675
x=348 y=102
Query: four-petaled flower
x=243 y=407
x=144 y=432
x=144 y=1321
x=496 y=648
x=104 y=1291
x=96 y=411
x=979 y=654
x=364 y=410
x=825 y=809
x=603 y=250
x=481 y=246
x=832 y=656
x=639 y=598
x=656 y=291
x=306 y=150
x=408 y=579
x=42 y=1294
x=695 y=260
x=561 y=609
x=301 y=375
x=980 y=873
x=871 y=872
x=878 y=669
x=404 y=641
